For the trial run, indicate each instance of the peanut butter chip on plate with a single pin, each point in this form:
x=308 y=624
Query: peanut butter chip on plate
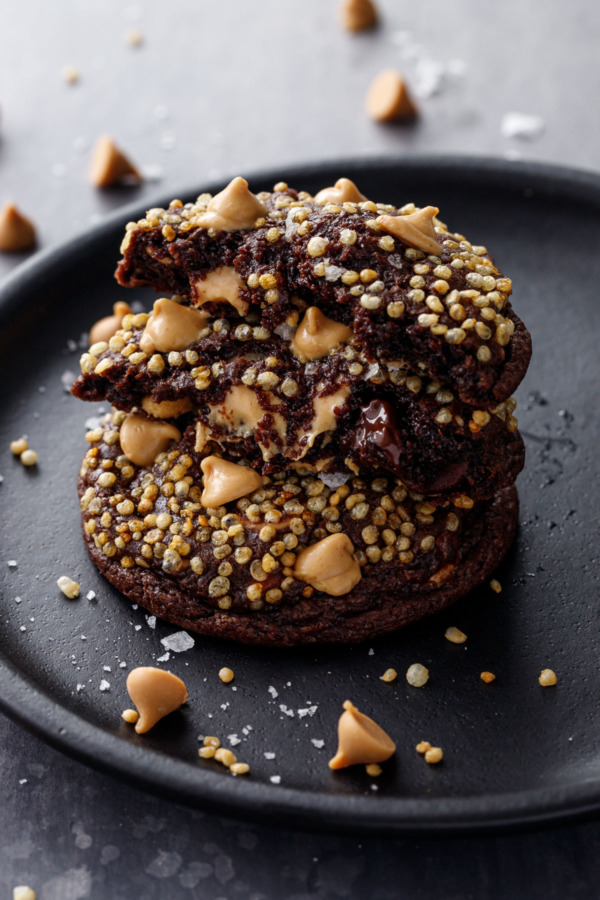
x=415 y=229
x=105 y=328
x=171 y=327
x=156 y=693
x=360 y=740
x=234 y=209
x=316 y=335
x=388 y=99
x=329 y=566
x=110 y=165
x=358 y=15
x=343 y=191
x=143 y=439
x=17 y=233
x=225 y=481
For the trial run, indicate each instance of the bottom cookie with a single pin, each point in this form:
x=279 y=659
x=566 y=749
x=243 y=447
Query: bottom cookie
x=233 y=572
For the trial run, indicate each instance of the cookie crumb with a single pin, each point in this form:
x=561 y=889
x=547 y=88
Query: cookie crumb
x=495 y=585
x=19 y=446
x=239 y=768
x=130 y=715
x=389 y=675
x=547 y=678
x=373 y=770
x=134 y=37
x=226 y=675
x=434 y=755
x=22 y=892
x=29 y=458
x=225 y=756
x=488 y=677
x=417 y=675
x=423 y=747
x=455 y=635
x=69 y=587
x=207 y=752
x=70 y=74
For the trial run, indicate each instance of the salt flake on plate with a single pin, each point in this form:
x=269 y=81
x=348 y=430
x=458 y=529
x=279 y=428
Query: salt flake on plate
x=178 y=642
x=522 y=125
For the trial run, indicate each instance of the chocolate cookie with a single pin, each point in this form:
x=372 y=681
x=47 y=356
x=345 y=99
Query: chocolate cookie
x=314 y=437
x=251 y=396
x=407 y=287
x=240 y=570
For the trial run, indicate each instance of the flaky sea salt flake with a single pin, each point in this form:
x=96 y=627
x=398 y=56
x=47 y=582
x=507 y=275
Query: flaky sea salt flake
x=178 y=642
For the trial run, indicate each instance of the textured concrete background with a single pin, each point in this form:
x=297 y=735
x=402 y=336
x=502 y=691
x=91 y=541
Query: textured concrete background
x=218 y=89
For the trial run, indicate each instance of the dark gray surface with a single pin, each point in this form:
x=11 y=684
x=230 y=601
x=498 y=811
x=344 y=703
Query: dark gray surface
x=497 y=769
x=229 y=88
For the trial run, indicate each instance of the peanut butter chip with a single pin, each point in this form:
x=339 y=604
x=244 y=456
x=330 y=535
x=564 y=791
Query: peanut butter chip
x=166 y=409
x=324 y=419
x=225 y=481
x=360 y=740
x=222 y=285
x=16 y=232
x=329 y=566
x=109 y=165
x=156 y=693
x=415 y=229
x=241 y=411
x=316 y=335
x=143 y=439
x=358 y=15
x=104 y=328
x=171 y=327
x=388 y=99
x=234 y=209
x=343 y=191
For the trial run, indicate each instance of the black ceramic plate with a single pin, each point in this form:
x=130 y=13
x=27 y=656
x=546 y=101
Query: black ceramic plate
x=514 y=753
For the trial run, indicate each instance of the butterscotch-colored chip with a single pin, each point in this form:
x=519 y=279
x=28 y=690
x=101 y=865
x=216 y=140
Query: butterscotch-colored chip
x=226 y=481
x=156 y=693
x=414 y=229
x=110 y=165
x=222 y=285
x=171 y=326
x=104 y=328
x=358 y=15
x=143 y=439
x=360 y=740
x=233 y=209
x=388 y=99
x=17 y=233
x=329 y=566
x=343 y=191
x=317 y=334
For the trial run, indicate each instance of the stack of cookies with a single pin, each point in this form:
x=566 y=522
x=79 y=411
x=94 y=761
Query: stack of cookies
x=313 y=435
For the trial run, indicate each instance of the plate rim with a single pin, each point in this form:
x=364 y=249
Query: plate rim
x=28 y=703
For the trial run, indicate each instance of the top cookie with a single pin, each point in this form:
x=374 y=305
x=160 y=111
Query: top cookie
x=407 y=287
